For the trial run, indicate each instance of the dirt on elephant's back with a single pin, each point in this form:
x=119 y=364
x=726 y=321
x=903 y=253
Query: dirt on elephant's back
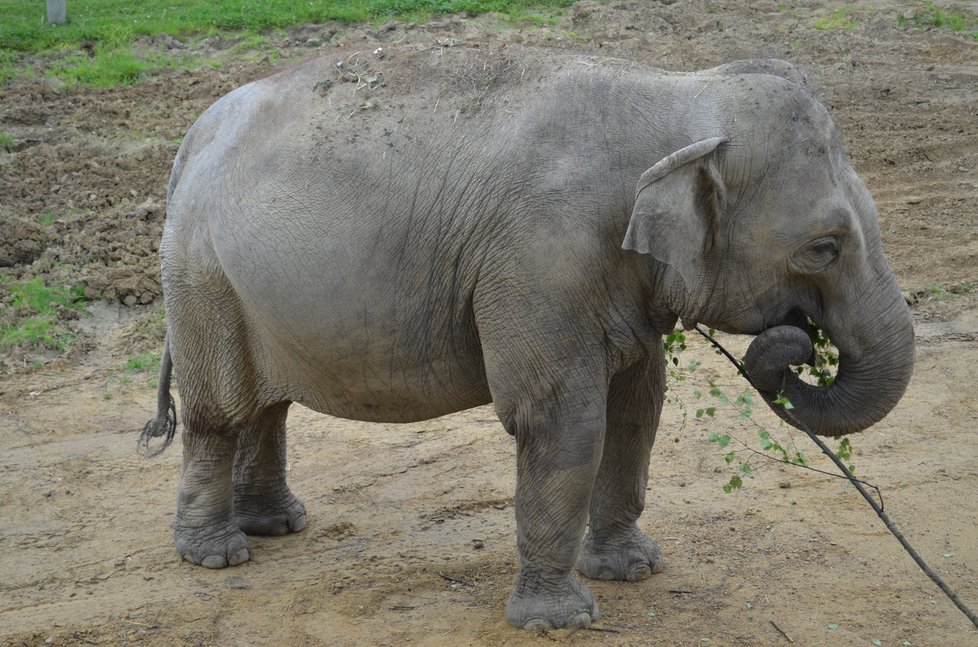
x=411 y=536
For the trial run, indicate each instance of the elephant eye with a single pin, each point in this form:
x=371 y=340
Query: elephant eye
x=816 y=256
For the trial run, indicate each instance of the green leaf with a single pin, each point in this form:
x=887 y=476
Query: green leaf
x=745 y=468
x=736 y=482
x=723 y=441
x=699 y=413
x=711 y=411
x=845 y=449
x=783 y=401
x=714 y=437
x=731 y=457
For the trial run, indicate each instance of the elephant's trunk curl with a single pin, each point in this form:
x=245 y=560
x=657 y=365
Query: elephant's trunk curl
x=872 y=376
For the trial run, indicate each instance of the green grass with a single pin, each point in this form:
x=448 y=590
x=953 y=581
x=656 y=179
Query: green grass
x=6 y=141
x=930 y=15
x=118 y=66
x=95 y=46
x=35 y=306
x=144 y=362
x=119 y=22
x=47 y=219
x=838 y=19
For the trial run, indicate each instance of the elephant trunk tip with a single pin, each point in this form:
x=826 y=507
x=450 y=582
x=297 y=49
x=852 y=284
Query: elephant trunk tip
x=869 y=382
x=772 y=353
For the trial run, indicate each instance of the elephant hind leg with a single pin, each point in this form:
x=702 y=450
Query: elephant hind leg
x=263 y=503
x=233 y=484
x=226 y=394
x=204 y=531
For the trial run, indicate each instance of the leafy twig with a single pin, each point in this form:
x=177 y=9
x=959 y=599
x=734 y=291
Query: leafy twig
x=877 y=508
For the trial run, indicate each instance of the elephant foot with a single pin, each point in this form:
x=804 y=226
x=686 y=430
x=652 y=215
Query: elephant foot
x=264 y=516
x=540 y=608
x=214 y=546
x=630 y=555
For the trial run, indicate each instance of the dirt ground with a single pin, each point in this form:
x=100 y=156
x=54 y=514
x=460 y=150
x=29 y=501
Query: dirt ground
x=411 y=532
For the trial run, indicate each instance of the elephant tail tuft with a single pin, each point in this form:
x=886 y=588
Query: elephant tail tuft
x=165 y=423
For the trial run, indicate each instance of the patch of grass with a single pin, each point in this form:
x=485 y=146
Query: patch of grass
x=120 y=21
x=936 y=291
x=533 y=18
x=120 y=66
x=838 y=19
x=33 y=319
x=144 y=362
x=6 y=141
x=8 y=65
x=47 y=218
x=939 y=292
x=103 y=31
x=929 y=15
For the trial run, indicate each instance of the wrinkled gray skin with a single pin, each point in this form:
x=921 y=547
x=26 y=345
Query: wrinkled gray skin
x=532 y=255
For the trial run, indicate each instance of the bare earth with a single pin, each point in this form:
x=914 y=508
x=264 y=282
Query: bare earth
x=411 y=538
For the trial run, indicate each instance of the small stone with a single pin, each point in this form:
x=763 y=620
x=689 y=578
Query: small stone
x=478 y=544
x=914 y=199
x=130 y=300
x=236 y=582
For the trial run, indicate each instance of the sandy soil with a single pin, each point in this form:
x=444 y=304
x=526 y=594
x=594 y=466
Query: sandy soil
x=411 y=533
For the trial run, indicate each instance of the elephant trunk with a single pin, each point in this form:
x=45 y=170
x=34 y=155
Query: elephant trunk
x=875 y=365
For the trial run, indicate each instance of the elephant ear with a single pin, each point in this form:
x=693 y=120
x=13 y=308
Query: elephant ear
x=677 y=203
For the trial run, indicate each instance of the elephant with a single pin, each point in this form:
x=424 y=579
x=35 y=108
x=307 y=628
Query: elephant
x=396 y=234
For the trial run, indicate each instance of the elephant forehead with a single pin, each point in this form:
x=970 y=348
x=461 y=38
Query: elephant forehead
x=777 y=112
x=793 y=154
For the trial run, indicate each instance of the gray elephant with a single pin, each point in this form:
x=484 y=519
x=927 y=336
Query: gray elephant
x=398 y=235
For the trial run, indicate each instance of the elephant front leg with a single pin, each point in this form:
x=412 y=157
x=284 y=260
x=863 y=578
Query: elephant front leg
x=614 y=547
x=558 y=452
x=263 y=503
x=204 y=531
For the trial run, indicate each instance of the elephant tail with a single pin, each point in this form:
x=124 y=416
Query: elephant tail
x=165 y=423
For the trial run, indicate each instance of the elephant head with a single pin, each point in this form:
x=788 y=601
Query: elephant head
x=761 y=222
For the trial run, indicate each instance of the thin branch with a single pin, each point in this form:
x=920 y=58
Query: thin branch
x=877 y=508
x=781 y=631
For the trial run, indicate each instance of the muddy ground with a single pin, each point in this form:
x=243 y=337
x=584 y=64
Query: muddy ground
x=411 y=532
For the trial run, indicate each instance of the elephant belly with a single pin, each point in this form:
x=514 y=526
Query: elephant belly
x=382 y=373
